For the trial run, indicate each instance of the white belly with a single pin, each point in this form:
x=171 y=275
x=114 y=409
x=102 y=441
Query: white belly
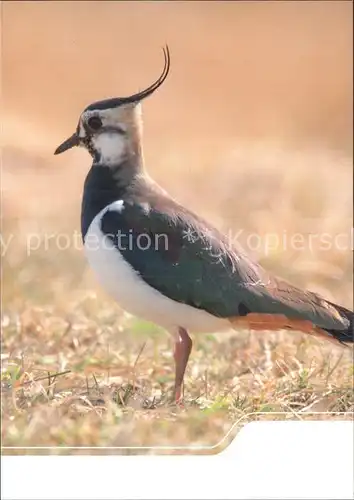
x=124 y=284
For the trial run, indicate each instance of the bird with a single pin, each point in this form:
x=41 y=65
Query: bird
x=165 y=264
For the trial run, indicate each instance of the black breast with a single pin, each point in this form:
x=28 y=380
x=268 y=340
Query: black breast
x=100 y=189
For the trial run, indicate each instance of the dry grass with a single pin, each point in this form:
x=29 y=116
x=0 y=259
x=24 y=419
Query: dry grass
x=76 y=370
x=117 y=390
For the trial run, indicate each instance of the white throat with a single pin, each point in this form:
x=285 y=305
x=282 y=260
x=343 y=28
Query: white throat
x=110 y=146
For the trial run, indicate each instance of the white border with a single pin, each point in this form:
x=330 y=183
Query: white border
x=297 y=415
x=267 y=459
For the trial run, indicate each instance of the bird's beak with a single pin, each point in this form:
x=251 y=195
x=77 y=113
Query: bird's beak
x=68 y=144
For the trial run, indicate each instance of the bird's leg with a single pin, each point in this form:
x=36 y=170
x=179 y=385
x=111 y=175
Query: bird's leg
x=183 y=347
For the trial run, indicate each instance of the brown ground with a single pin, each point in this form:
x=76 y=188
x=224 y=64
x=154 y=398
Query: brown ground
x=253 y=129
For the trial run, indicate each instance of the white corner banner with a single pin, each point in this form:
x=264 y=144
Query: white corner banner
x=270 y=460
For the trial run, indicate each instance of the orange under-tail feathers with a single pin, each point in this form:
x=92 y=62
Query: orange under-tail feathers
x=256 y=321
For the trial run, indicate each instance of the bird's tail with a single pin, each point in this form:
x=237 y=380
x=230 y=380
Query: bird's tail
x=345 y=336
x=276 y=321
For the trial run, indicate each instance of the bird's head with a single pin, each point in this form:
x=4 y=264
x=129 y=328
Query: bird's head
x=106 y=128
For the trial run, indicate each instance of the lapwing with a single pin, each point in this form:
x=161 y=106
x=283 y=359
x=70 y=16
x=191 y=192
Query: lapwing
x=164 y=263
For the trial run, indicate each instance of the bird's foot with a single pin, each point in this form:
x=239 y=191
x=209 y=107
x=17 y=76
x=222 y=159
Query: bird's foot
x=178 y=398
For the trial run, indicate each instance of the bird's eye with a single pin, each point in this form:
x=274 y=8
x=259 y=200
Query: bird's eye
x=94 y=122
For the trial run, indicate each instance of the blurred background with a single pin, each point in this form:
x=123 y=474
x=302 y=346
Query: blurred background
x=252 y=129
